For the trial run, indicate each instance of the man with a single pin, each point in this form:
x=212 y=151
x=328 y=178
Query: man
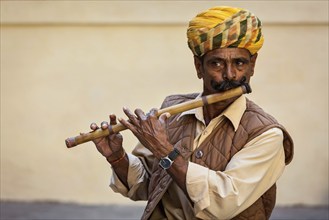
x=220 y=161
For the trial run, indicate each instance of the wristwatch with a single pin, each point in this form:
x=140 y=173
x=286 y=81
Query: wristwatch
x=167 y=161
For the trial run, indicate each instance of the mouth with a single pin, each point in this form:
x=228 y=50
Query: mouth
x=227 y=84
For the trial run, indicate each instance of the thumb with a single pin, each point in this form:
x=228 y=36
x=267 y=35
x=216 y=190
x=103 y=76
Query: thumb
x=164 y=116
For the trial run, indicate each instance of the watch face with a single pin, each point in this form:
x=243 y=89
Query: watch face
x=165 y=163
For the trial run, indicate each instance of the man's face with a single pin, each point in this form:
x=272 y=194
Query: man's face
x=224 y=68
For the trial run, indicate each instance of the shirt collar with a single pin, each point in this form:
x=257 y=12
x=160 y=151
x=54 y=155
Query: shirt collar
x=233 y=112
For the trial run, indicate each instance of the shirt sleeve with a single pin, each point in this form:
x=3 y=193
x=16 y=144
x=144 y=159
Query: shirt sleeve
x=137 y=180
x=249 y=174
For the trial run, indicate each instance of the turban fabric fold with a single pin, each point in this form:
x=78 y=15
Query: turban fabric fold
x=224 y=27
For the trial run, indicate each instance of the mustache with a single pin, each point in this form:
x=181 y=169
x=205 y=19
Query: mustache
x=227 y=84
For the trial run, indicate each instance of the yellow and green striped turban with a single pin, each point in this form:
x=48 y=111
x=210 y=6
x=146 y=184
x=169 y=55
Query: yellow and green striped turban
x=223 y=27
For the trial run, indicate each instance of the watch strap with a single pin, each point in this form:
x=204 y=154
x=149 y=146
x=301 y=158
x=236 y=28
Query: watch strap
x=173 y=154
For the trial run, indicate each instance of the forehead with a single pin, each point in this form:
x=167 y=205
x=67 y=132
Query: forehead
x=228 y=53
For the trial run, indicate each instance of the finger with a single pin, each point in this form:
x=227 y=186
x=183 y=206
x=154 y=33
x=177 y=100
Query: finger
x=113 y=119
x=117 y=138
x=153 y=112
x=127 y=124
x=104 y=125
x=140 y=114
x=133 y=119
x=93 y=126
x=163 y=117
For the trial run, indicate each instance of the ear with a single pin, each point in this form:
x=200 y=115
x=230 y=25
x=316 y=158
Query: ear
x=198 y=66
x=253 y=63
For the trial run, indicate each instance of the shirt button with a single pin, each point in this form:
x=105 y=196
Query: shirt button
x=198 y=154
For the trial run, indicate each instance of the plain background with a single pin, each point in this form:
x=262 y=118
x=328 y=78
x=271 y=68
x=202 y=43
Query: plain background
x=65 y=64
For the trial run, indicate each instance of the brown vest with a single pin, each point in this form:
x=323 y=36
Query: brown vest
x=216 y=151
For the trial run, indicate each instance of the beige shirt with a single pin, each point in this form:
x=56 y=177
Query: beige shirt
x=216 y=195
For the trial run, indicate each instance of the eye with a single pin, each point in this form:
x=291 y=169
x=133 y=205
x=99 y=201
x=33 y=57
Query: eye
x=217 y=64
x=240 y=63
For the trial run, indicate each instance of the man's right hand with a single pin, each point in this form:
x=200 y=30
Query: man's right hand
x=111 y=146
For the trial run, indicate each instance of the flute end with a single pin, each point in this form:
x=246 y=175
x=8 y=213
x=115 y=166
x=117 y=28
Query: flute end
x=246 y=88
x=70 y=142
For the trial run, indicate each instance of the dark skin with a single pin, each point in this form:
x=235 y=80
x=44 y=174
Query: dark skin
x=217 y=65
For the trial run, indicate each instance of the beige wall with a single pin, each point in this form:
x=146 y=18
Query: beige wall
x=68 y=63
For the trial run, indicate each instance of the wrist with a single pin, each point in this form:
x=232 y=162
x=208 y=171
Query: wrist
x=116 y=157
x=167 y=161
x=166 y=151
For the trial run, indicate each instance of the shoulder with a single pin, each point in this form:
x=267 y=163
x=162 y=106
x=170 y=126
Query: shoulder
x=255 y=115
x=256 y=121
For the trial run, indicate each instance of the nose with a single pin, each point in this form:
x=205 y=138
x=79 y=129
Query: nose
x=229 y=73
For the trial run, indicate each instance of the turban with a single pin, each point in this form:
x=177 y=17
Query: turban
x=224 y=27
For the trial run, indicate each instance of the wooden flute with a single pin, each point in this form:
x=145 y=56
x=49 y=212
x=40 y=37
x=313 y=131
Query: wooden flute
x=173 y=110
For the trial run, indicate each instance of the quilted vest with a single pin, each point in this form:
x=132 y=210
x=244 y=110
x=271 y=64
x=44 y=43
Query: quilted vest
x=216 y=152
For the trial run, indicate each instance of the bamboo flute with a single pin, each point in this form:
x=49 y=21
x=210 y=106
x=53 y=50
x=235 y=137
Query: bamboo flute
x=173 y=110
